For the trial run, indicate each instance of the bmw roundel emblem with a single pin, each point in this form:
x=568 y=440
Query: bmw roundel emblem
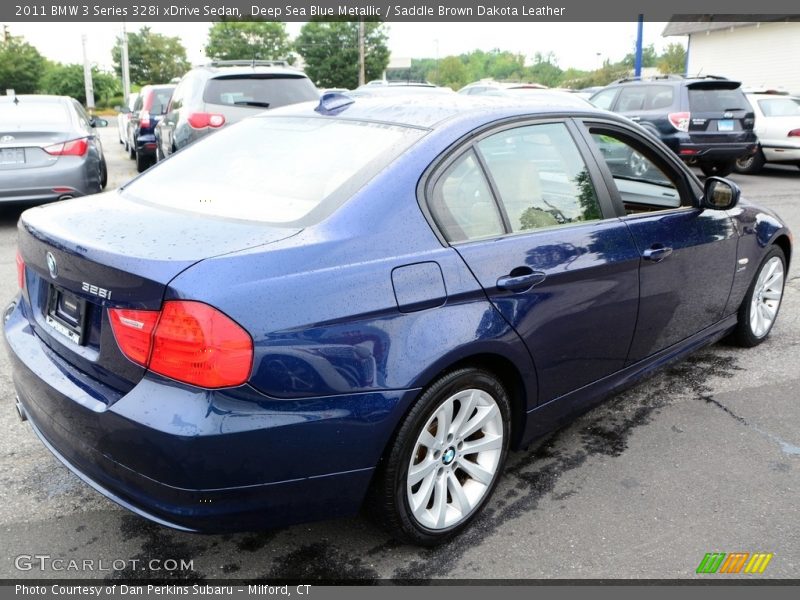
x=52 y=265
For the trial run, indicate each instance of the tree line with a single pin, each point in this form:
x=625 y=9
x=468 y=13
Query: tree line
x=329 y=51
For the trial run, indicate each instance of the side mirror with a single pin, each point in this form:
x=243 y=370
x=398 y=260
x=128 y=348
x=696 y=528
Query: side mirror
x=720 y=194
x=122 y=109
x=97 y=122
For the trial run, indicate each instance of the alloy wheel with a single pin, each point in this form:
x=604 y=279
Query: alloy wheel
x=767 y=295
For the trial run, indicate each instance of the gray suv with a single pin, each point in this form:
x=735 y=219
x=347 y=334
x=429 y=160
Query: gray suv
x=212 y=96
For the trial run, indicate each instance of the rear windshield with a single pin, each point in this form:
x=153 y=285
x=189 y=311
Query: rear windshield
x=274 y=170
x=33 y=115
x=716 y=100
x=780 y=107
x=258 y=90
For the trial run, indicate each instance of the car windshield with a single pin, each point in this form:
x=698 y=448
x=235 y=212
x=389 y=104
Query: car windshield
x=779 y=107
x=33 y=115
x=264 y=91
x=705 y=99
x=274 y=169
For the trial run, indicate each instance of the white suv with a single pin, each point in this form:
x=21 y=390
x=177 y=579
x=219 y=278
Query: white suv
x=778 y=130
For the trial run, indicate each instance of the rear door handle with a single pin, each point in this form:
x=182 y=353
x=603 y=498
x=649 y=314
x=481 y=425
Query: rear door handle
x=657 y=253
x=522 y=282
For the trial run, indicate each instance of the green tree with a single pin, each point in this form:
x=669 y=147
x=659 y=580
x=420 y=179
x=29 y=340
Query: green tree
x=452 y=73
x=649 y=57
x=232 y=40
x=20 y=65
x=330 y=51
x=545 y=70
x=67 y=80
x=673 y=59
x=153 y=57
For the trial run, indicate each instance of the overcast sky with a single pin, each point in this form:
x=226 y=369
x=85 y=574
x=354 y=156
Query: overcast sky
x=580 y=45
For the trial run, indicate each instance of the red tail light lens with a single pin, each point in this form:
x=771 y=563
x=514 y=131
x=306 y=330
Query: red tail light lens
x=71 y=148
x=20 y=271
x=133 y=330
x=794 y=133
x=144 y=119
x=202 y=120
x=186 y=341
x=680 y=120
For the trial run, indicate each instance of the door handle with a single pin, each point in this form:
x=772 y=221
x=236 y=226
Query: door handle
x=635 y=118
x=521 y=282
x=657 y=253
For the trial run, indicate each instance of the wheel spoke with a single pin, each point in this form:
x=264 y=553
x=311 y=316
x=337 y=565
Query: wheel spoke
x=771 y=295
x=774 y=281
x=483 y=416
x=460 y=499
x=423 y=495
x=477 y=472
x=417 y=472
x=464 y=412
x=768 y=311
x=439 y=509
x=482 y=445
x=443 y=420
x=427 y=440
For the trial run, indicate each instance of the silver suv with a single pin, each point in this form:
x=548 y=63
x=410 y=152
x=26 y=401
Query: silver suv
x=212 y=96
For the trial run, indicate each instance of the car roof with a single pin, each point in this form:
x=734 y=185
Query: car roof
x=430 y=111
x=214 y=69
x=43 y=98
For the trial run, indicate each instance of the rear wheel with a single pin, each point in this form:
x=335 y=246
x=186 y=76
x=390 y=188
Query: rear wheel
x=103 y=173
x=751 y=164
x=446 y=458
x=760 y=306
x=719 y=169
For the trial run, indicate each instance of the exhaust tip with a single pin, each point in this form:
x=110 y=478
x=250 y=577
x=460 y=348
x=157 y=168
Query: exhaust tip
x=23 y=416
x=66 y=197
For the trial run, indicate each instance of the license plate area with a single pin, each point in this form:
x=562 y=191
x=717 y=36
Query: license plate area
x=66 y=313
x=725 y=125
x=12 y=156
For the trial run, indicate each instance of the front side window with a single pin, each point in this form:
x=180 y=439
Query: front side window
x=604 y=99
x=643 y=182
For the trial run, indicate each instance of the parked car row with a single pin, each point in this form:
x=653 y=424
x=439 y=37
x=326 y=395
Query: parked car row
x=709 y=121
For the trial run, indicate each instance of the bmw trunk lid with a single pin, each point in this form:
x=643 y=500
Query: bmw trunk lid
x=87 y=255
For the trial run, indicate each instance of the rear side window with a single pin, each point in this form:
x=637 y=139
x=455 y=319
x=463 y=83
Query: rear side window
x=659 y=96
x=267 y=91
x=779 y=107
x=715 y=100
x=275 y=170
x=632 y=98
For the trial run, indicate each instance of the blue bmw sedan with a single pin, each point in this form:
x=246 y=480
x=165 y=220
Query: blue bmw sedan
x=371 y=301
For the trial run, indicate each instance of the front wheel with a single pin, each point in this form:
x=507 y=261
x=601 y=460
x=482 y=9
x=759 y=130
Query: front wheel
x=718 y=169
x=446 y=458
x=760 y=306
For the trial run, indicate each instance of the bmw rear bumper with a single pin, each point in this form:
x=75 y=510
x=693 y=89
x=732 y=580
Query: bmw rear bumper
x=199 y=460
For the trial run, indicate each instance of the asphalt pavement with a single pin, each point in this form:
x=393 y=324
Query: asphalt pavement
x=703 y=457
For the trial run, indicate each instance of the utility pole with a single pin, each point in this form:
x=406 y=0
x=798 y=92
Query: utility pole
x=126 y=74
x=637 y=68
x=362 y=76
x=87 y=77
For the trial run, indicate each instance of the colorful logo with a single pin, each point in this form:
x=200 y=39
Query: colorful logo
x=719 y=562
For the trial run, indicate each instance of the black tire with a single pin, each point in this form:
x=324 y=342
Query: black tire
x=131 y=152
x=750 y=164
x=744 y=335
x=389 y=498
x=718 y=169
x=142 y=163
x=103 y=173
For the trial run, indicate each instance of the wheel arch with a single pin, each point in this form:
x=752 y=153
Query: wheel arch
x=782 y=241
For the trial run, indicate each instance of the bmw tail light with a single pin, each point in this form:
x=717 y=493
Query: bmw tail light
x=20 y=271
x=187 y=341
x=133 y=330
x=71 y=148
x=794 y=133
x=679 y=120
x=201 y=120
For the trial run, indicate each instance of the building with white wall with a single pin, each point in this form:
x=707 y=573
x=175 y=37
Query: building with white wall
x=755 y=53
